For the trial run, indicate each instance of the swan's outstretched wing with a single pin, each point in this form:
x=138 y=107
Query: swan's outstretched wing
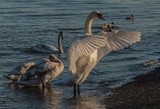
x=84 y=47
x=118 y=40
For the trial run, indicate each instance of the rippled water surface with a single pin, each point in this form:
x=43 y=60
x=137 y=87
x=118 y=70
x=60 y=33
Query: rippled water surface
x=24 y=23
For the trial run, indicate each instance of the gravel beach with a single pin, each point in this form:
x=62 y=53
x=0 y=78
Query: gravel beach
x=142 y=93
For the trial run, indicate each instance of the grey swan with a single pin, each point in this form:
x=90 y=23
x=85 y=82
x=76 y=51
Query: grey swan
x=37 y=72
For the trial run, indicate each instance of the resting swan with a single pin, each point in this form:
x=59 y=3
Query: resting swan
x=84 y=53
x=45 y=48
x=37 y=73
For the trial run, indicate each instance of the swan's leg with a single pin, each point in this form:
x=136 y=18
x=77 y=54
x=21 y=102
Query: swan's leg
x=59 y=55
x=75 y=90
x=43 y=86
x=78 y=90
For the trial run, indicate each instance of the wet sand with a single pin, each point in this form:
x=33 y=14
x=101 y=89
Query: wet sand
x=142 y=93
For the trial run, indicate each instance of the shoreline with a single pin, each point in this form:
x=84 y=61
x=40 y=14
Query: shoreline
x=142 y=93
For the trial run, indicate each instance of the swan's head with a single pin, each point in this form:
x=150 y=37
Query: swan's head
x=96 y=15
x=53 y=58
x=61 y=34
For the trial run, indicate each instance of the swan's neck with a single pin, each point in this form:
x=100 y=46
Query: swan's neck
x=60 y=48
x=88 y=25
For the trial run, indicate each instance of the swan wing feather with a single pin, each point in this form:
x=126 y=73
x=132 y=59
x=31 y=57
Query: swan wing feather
x=84 y=46
x=41 y=68
x=118 y=40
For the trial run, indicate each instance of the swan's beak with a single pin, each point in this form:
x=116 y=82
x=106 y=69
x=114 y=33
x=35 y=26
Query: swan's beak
x=102 y=18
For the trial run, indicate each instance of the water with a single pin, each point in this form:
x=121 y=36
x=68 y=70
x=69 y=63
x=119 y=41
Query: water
x=26 y=23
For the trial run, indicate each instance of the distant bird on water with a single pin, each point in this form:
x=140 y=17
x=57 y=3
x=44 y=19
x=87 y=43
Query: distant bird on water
x=85 y=52
x=45 y=48
x=131 y=17
x=38 y=72
x=108 y=27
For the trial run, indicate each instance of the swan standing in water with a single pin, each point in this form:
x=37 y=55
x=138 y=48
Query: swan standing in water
x=84 y=53
x=45 y=48
x=37 y=73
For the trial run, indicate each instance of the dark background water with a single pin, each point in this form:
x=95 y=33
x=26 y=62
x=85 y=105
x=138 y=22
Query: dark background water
x=24 y=23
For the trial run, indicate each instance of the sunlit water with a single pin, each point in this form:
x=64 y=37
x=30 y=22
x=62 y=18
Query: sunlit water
x=24 y=23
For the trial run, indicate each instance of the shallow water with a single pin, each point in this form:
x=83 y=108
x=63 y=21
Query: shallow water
x=26 y=23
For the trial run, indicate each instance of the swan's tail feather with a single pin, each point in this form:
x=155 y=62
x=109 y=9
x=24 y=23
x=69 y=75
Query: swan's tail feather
x=12 y=77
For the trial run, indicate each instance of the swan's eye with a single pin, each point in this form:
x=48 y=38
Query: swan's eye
x=99 y=15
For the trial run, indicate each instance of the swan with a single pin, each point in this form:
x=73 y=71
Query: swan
x=36 y=73
x=85 y=52
x=131 y=17
x=45 y=48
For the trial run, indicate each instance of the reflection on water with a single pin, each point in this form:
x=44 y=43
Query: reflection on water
x=44 y=98
x=51 y=98
x=84 y=102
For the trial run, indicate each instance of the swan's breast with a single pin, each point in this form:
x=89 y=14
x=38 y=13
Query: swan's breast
x=84 y=66
x=84 y=61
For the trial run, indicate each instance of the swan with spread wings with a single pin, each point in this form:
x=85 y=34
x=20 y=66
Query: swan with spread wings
x=85 y=52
